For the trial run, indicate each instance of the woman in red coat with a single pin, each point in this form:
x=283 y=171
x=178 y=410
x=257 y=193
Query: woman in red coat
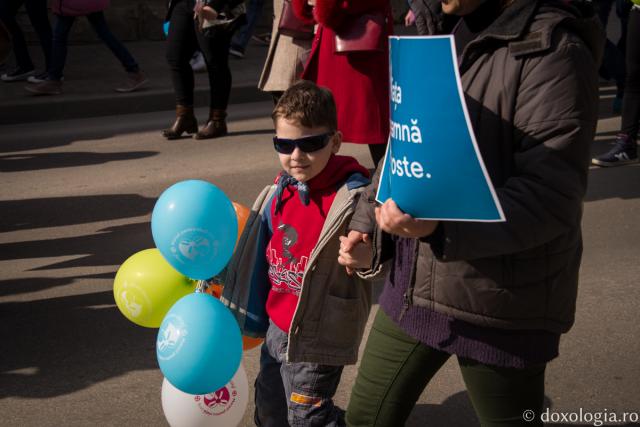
x=359 y=80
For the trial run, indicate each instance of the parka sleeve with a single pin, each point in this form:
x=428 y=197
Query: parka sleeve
x=364 y=221
x=555 y=120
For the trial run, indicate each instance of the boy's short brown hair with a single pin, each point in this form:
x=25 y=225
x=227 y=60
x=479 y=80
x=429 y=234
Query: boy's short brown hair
x=308 y=105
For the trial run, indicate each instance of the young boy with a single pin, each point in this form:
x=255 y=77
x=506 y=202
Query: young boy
x=284 y=281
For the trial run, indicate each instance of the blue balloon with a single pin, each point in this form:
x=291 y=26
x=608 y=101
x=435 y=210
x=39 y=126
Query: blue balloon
x=165 y=29
x=199 y=344
x=194 y=225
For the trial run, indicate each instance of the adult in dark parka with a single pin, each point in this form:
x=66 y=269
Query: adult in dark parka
x=496 y=295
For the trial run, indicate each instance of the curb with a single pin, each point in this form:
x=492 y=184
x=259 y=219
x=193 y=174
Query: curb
x=79 y=106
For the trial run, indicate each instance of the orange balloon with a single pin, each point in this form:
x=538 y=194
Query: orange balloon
x=248 y=343
x=242 y=212
x=214 y=289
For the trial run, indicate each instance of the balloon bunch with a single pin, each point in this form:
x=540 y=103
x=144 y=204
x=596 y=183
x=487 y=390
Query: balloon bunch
x=199 y=347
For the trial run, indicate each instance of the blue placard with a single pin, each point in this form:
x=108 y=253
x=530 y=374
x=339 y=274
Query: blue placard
x=433 y=168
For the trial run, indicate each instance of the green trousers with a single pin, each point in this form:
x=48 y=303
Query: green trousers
x=396 y=368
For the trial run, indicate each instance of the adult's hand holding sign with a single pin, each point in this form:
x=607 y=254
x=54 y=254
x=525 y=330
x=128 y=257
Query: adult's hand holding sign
x=433 y=169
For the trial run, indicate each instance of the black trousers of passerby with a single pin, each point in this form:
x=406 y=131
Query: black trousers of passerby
x=37 y=12
x=99 y=25
x=613 y=66
x=182 y=42
x=631 y=100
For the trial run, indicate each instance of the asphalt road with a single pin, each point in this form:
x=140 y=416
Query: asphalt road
x=75 y=202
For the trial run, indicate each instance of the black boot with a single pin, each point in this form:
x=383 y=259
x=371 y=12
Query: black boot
x=216 y=125
x=185 y=122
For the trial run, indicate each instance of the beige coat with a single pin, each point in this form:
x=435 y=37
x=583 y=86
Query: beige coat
x=286 y=59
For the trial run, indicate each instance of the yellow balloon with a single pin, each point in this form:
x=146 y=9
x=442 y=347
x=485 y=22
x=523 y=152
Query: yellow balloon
x=146 y=286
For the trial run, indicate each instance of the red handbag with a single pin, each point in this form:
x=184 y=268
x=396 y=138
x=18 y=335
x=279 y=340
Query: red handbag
x=364 y=34
x=291 y=25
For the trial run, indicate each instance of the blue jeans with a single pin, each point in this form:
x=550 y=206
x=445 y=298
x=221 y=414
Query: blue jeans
x=99 y=24
x=295 y=394
x=254 y=11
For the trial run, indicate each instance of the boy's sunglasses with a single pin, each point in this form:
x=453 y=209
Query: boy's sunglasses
x=308 y=144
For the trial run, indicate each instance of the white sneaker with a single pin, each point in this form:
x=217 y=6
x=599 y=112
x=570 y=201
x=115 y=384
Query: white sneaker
x=17 y=75
x=38 y=78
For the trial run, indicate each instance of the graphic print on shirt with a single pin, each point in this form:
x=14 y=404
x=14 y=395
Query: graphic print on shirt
x=285 y=271
x=288 y=240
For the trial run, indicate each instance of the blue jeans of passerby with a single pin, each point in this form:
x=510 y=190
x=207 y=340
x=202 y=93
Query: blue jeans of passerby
x=99 y=25
x=242 y=37
x=295 y=394
x=37 y=11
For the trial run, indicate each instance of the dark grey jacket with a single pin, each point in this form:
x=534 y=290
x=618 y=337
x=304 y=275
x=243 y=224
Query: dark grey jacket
x=531 y=89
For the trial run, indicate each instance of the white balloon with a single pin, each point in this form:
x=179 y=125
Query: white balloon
x=223 y=408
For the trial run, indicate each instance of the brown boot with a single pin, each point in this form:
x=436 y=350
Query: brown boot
x=216 y=125
x=185 y=122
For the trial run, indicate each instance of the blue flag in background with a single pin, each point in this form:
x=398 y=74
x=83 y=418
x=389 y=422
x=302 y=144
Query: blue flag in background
x=433 y=168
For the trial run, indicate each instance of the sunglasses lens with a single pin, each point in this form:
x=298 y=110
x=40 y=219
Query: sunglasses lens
x=284 y=146
x=313 y=143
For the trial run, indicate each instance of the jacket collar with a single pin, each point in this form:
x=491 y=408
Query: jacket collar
x=509 y=25
x=527 y=26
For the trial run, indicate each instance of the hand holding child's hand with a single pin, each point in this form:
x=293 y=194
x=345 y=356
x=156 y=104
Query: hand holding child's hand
x=392 y=220
x=355 y=251
x=203 y=12
x=410 y=18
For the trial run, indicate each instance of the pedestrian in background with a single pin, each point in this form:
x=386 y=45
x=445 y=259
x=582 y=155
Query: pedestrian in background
x=613 y=61
x=625 y=149
x=496 y=295
x=66 y=12
x=241 y=39
x=5 y=43
x=286 y=57
x=359 y=80
x=38 y=15
x=209 y=26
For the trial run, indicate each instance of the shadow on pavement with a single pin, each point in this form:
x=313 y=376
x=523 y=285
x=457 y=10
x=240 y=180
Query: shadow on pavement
x=35 y=284
x=61 y=211
x=109 y=246
x=57 y=346
x=40 y=161
x=621 y=182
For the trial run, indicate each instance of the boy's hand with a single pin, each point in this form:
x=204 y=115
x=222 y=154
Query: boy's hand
x=392 y=220
x=355 y=251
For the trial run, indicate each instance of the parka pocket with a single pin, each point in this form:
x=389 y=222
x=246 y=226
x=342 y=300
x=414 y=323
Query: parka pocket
x=341 y=324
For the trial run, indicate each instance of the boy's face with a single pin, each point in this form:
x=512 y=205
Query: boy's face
x=300 y=165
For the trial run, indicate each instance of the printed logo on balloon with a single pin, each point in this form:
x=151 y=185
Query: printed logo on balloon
x=194 y=244
x=171 y=337
x=134 y=299
x=218 y=402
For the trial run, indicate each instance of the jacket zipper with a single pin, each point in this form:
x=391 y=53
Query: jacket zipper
x=334 y=225
x=407 y=298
